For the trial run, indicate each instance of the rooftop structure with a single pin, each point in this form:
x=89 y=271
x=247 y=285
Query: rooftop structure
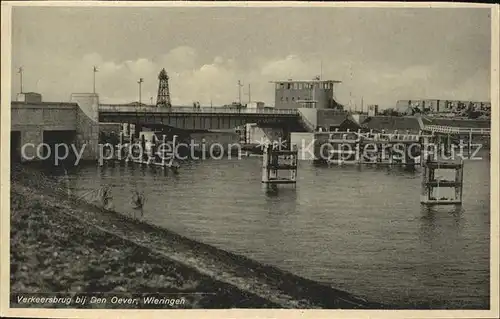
x=316 y=93
x=29 y=97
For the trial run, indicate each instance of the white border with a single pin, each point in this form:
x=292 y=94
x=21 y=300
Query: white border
x=65 y=313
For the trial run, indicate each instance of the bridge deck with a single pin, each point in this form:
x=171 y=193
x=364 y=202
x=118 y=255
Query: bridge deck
x=108 y=108
x=456 y=130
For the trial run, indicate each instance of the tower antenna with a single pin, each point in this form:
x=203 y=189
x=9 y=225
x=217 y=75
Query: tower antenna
x=163 y=99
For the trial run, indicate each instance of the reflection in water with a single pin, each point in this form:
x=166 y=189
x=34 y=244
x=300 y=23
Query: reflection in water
x=361 y=229
x=440 y=221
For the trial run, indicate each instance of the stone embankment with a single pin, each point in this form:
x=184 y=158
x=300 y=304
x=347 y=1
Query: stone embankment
x=62 y=245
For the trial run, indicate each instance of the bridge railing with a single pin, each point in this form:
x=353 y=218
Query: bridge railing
x=456 y=130
x=187 y=109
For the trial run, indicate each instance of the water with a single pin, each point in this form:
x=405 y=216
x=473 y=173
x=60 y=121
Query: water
x=362 y=230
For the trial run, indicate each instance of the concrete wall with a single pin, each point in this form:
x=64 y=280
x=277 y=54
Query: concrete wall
x=81 y=115
x=29 y=97
x=311 y=115
x=87 y=124
x=32 y=119
x=256 y=134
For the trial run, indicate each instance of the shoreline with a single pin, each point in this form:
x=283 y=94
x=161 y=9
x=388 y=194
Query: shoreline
x=70 y=258
x=261 y=286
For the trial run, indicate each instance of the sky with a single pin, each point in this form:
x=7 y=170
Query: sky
x=380 y=55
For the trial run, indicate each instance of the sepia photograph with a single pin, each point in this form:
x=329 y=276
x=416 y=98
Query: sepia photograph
x=249 y=156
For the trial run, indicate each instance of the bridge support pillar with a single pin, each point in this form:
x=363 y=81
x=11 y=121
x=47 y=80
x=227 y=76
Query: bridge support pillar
x=469 y=144
x=137 y=131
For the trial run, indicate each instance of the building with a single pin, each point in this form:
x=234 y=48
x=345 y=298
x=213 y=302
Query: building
x=315 y=93
x=372 y=110
x=29 y=97
x=255 y=105
x=441 y=106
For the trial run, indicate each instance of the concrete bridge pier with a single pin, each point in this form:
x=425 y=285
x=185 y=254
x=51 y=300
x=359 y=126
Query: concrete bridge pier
x=137 y=131
x=87 y=124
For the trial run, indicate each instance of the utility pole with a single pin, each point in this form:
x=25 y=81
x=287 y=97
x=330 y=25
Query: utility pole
x=350 y=101
x=350 y=92
x=239 y=91
x=141 y=80
x=361 y=105
x=95 y=71
x=321 y=70
x=20 y=71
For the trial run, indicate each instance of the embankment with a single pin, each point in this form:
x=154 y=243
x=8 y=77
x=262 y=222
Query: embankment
x=59 y=244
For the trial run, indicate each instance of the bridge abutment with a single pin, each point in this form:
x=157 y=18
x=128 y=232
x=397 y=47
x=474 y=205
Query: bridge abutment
x=87 y=124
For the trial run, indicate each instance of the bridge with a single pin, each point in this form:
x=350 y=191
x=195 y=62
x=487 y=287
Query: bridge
x=203 y=118
x=78 y=121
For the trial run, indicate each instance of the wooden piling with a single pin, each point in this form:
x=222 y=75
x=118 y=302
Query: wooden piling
x=430 y=183
x=163 y=151
x=469 y=144
x=276 y=160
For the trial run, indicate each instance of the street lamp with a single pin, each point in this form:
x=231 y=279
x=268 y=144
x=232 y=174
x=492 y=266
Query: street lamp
x=95 y=71
x=20 y=71
x=141 y=80
x=239 y=92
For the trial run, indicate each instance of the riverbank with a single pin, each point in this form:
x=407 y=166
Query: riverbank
x=63 y=245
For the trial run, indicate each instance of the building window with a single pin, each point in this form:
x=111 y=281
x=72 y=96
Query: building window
x=298 y=98
x=301 y=86
x=293 y=98
x=287 y=98
x=281 y=99
x=289 y=86
x=278 y=86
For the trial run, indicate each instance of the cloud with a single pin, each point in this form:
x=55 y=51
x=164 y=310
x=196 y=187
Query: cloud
x=216 y=82
x=291 y=66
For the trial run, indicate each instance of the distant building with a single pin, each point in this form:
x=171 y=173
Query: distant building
x=255 y=105
x=372 y=110
x=305 y=94
x=29 y=97
x=441 y=106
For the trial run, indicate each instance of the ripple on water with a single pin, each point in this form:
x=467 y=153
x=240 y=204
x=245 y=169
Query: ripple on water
x=359 y=229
